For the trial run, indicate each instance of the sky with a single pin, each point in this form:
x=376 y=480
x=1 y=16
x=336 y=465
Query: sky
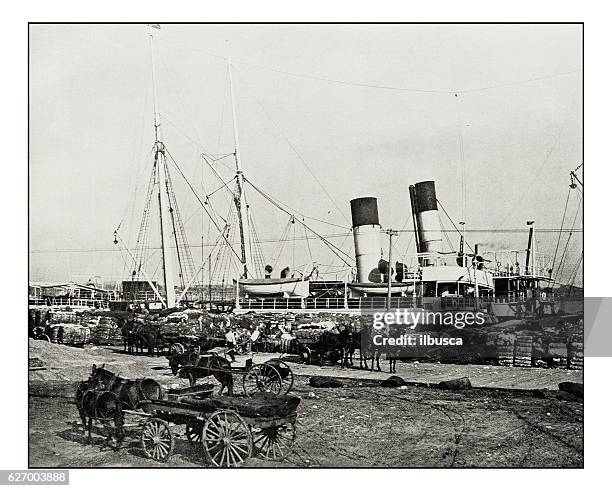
x=326 y=113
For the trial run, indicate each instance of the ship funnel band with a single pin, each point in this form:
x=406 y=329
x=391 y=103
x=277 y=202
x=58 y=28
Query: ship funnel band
x=425 y=194
x=364 y=211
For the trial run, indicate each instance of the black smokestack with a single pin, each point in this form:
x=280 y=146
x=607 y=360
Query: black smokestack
x=425 y=219
x=364 y=211
x=425 y=196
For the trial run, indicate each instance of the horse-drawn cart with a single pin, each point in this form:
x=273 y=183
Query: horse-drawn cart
x=272 y=376
x=319 y=344
x=229 y=429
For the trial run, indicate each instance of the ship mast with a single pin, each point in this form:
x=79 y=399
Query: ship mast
x=240 y=198
x=165 y=220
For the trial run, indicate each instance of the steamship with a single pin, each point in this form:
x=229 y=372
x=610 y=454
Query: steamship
x=445 y=275
x=438 y=273
x=435 y=273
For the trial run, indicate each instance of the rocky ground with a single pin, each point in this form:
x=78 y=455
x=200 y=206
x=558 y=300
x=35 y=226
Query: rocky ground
x=499 y=423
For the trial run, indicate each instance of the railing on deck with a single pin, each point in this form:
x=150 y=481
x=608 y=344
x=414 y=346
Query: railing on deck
x=372 y=303
x=69 y=302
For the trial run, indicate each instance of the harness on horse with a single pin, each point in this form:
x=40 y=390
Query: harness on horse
x=140 y=394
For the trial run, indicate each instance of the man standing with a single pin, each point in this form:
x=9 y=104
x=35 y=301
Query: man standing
x=251 y=340
x=230 y=342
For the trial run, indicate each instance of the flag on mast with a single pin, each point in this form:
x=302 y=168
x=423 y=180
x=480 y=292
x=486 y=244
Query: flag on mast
x=155 y=26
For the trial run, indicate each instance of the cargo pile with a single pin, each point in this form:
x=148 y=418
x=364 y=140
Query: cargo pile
x=503 y=347
x=104 y=330
x=67 y=333
x=76 y=327
x=184 y=323
x=517 y=342
x=523 y=351
x=62 y=317
x=576 y=353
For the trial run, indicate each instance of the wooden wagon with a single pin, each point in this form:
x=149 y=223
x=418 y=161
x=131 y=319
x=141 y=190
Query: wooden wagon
x=311 y=344
x=229 y=430
x=273 y=376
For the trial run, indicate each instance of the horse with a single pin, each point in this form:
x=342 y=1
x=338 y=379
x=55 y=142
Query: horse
x=368 y=351
x=95 y=404
x=145 y=337
x=206 y=365
x=328 y=346
x=181 y=360
x=127 y=327
x=84 y=411
x=394 y=351
x=129 y=392
x=349 y=341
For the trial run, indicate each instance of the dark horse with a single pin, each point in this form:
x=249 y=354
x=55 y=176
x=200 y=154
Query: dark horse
x=97 y=404
x=127 y=328
x=368 y=351
x=394 y=352
x=349 y=342
x=204 y=365
x=329 y=346
x=181 y=360
x=145 y=337
x=128 y=394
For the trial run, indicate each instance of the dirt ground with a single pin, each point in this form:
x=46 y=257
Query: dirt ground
x=358 y=425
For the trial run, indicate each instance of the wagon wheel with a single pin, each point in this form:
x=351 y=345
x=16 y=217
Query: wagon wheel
x=194 y=432
x=274 y=442
x=157 y=440
x=177 y=349
x=227 y=439
x=287 y=379
x=262 y=378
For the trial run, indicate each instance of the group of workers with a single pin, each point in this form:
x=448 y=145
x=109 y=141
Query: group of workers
x=233 y=340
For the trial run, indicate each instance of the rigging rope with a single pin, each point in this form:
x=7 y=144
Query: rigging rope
x=572 y=277
x=293 y=244
x=176 y=88
x=325 y=241
x=552 y=268
x=453 y=224
x=283 y=239
x=185 y=259
x=448 y=241
x=562 y=260
x=256 y=249
x=461 y=159
x=203 y=150
x=344 y=237
x=307 y=241
x=327 y=236
x=143 y=232
x=218 y=176
x=200 y=201
x=138 y=171
x=376 y=86
x=299 y=155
